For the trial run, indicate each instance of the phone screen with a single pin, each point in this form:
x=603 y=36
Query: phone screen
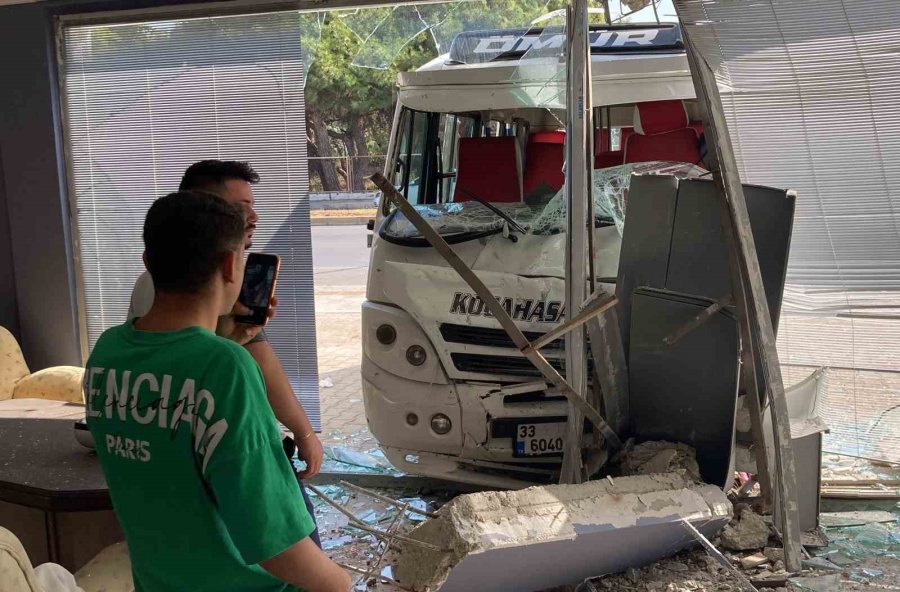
x=260 y=273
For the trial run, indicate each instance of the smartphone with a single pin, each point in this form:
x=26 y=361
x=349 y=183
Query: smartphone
x=260 y=275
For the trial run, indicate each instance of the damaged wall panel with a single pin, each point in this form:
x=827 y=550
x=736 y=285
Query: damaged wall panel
x=536 y=538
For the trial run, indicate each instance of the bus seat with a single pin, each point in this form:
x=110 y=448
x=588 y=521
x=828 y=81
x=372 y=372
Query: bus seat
x=490 y=168
x=544 y=160
x=662 y=132
x=609 y=158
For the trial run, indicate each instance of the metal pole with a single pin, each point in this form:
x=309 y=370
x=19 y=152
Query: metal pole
x=577 y=114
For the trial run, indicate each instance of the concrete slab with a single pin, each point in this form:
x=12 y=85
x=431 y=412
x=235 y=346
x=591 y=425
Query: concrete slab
x=554 y=535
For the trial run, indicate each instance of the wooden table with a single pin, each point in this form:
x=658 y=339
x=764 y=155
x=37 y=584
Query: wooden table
x=53 y=494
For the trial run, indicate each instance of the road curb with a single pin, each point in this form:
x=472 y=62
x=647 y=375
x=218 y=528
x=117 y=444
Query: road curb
x=339 y=220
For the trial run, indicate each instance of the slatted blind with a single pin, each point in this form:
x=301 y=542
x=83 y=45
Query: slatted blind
x=812 y=106
x=142 y=102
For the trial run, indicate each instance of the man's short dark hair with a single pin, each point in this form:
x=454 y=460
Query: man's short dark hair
x=186 y=235
x=210 y=175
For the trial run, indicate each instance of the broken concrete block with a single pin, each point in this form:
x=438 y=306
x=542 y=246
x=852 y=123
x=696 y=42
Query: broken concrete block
x=746 y=533
x=752 y=561
x=768 y=579
x=554 y=535
x=774 y=554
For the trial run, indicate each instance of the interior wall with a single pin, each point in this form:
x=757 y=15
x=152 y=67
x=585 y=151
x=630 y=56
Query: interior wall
x=30 y=158
x=9 y=314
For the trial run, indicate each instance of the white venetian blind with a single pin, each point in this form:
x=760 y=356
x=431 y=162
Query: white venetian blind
x=142 y=102
x=811 y=104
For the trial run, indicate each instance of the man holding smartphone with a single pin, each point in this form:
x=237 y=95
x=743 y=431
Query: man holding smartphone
x=232 y=181
x=185 y=435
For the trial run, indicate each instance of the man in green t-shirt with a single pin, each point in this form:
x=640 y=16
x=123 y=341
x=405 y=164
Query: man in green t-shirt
x=188 y=443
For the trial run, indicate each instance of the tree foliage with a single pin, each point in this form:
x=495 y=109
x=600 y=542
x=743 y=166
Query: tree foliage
x=353 y=58
x=350 y=105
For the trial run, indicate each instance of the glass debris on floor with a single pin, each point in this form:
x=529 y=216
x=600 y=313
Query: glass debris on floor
x=859 y=554
x=362 y=550
x=341 y=459
x=357 y=452
x=863 y=535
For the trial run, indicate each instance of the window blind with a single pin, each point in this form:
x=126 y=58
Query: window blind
x=810 y=97
x=142 y=102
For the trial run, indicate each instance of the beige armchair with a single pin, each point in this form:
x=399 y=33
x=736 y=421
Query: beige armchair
x=60 y=383
x=16 y=573
x=109 y=571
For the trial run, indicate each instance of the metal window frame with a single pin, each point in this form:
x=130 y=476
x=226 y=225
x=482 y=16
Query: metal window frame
x=79 y=15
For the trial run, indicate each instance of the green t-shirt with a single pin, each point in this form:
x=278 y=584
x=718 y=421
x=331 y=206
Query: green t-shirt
x=193 y=458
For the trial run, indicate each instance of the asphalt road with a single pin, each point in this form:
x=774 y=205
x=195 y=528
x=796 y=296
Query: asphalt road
x=340 y=255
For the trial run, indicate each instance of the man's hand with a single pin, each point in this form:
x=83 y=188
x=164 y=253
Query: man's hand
x=241 y=333
x=310 y=449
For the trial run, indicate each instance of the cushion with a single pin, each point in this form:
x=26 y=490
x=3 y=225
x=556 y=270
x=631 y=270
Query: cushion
x=16 y=572
x=489 y=168
x=109 y=571
x=544 y=161
x=60 y=383
x=675 y=146
x=657 y=117
x=12 y=364
x=52 y=577
x=608 y=159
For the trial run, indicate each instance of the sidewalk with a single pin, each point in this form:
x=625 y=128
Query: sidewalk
x=340 y=351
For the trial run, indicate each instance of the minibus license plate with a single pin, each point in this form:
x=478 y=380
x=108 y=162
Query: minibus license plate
x=539 y=439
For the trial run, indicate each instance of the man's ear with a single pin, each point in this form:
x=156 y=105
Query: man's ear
x=230 y=267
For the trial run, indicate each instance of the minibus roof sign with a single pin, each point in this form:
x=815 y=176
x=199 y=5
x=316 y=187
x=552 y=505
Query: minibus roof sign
x=477 y=47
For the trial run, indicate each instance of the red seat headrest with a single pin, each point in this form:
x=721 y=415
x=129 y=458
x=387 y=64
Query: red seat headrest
x=551 y=137
x=490 y=168
x=608 y=159
x=659 y=117
x=544 y=159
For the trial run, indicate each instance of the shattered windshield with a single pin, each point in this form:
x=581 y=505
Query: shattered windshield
x=472 y=219
x=459 y=219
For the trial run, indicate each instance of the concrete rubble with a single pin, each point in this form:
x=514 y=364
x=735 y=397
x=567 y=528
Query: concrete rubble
x=694 y=571
x=748 y=531
x=661 y=457
x=554 y=535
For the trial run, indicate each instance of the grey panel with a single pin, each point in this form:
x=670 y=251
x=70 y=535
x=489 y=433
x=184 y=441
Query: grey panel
x=771 y=214
x=686 y=392
x=698 y=261
x=647 y=234
x=808 y=459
